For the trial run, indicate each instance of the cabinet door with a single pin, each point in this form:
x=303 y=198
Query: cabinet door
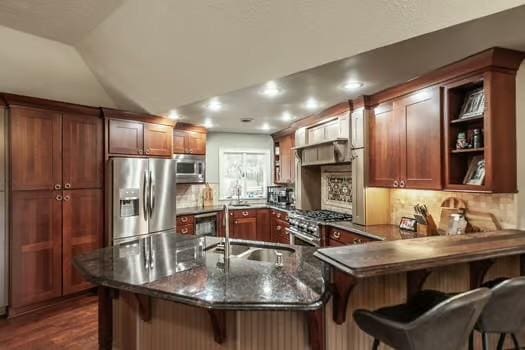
x=263 y=225
x=36 y=149
x=179 y=142
x=244 y=228
x=196 y=142
x=358 y=128
x=126 y=137
x=421 y=118
x=36 y=247
x=158 y=140
x=82 y=232
x=285 y=158
x=82 y=151
x=384 y=156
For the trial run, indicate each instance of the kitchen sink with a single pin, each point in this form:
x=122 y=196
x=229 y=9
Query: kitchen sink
x=271 y=254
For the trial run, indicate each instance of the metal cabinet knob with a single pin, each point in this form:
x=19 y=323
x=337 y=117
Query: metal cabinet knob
x=67 y=185
x=184 y=219
x=58 y=186
x=396 y=184
x=58 y=197
x=336 y=234
x=402 y=184
x=278 y=228
x=245 y=213
x=67 y=197
x=140 y=151
x=184 y=231
x=148 y=151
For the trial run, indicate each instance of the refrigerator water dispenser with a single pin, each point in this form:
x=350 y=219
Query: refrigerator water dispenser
x=129 y=202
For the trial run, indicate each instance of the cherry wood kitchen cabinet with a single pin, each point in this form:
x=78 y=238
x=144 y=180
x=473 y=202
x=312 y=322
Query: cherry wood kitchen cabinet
x=126 y=137
x=244 y=228
x=36 y=148
x=35 y=247
x=189 y=139
x=82 y=152
x=263 y=225
x=185 y=225
x=279 y=224
x=338 y=237
x=286 y=160
x=158 y=140
x=82 y=223
x=405 y=142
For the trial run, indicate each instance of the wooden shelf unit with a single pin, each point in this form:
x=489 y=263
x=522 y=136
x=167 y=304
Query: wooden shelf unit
x=498 y=123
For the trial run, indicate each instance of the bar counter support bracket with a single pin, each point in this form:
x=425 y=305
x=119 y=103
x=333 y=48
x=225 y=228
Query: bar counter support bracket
x=343 y=285
x=478 y=270
x=316 y=329
x=105 y=318
x=144 y=303
x=218 y=324
x=415 y=281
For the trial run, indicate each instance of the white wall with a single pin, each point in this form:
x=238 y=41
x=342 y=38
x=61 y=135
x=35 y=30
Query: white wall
x=231 y=141
x=520 y=129
x=34 y=66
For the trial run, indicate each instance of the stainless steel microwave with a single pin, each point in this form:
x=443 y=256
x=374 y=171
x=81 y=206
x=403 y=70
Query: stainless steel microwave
x=190 y=168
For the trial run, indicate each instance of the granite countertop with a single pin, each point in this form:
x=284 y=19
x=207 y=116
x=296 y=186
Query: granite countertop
x=183 y=270
x=377 y=232
x=381 y=258
x=217 y=208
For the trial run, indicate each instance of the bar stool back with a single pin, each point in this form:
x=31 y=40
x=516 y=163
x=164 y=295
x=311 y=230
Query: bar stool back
x=446 y=326
x=505 y=312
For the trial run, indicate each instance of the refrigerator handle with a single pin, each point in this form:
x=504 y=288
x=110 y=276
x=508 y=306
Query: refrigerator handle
x=151 y=194
x=145 y=196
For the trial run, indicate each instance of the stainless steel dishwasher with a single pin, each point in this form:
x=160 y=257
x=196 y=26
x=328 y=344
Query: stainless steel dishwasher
x=206 y=224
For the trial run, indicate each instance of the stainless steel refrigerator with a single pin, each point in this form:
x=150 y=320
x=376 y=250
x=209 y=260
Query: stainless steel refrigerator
x=142 y=202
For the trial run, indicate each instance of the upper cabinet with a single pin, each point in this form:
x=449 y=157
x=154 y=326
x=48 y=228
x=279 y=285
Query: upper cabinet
x=284 y=160
x=189 y=139
x=138 y=135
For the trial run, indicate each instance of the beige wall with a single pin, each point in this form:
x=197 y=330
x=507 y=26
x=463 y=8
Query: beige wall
x=520 y=98
x=34 y=66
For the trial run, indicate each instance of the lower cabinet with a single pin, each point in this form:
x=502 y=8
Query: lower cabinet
x=244 y=228
x=279 y=224
x=48 y=229
x=337 y=237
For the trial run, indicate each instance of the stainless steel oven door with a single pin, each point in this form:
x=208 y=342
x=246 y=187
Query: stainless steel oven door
x=299 y=238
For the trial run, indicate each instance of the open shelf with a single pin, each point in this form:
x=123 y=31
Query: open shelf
x=478 y=118
x=468 y=150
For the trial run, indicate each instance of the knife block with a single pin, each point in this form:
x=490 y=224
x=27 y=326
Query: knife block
x=430 y=229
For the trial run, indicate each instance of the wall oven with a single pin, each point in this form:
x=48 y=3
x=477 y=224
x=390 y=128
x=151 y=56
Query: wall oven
x=190 y=168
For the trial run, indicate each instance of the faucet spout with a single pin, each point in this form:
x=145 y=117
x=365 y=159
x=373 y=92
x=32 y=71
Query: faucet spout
x=226 y=233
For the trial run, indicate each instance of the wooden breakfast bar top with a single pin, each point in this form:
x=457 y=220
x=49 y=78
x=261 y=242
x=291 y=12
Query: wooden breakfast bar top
x=380 y=258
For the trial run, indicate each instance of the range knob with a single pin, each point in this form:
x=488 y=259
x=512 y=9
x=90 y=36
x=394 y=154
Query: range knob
x=312 y=228
x=304 y=225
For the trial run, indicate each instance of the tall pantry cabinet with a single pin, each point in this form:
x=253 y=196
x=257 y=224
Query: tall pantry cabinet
x=56 y=185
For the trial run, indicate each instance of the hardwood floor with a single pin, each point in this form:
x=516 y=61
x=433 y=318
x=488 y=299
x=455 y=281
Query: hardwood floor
x=71 y=325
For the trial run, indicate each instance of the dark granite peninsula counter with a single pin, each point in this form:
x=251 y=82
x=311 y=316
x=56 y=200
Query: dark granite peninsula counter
x=186 y=275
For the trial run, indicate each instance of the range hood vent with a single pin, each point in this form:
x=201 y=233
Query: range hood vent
x=324 y=153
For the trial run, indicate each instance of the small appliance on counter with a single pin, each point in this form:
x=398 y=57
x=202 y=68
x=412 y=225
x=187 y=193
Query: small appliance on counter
x=280 y=196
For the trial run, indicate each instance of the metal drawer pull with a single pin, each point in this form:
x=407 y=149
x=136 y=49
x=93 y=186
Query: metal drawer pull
x=67 y=185
x=58 y=186
x=67 y=197
x=184 y=219
x=278 y=228
x=58 y=197
x=245 y=213
x=336 y=234
x=184 y=230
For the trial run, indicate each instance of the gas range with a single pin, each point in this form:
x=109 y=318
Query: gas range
x=304 y=225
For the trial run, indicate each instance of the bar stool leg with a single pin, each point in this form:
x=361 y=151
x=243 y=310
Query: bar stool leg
x=485 y=341
x=515 y=340
x=471 y=341
x=375 y=346
x=501 y=341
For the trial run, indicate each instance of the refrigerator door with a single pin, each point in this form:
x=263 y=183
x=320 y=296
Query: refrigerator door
x=130 y=182
x=162 y=192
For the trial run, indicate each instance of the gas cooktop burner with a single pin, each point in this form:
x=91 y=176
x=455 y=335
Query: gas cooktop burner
x=323 y=215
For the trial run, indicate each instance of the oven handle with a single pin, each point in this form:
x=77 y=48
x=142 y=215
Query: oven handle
x=302 y=236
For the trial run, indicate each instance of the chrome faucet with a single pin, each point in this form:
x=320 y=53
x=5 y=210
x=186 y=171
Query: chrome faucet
x=227 y=233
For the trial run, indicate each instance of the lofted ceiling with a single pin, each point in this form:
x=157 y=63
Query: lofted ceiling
x=62 y=20
x=159 y=55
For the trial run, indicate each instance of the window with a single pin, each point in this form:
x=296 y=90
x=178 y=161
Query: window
x=243 y=171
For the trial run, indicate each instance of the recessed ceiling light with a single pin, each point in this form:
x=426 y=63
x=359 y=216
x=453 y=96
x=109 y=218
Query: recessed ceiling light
x=208 y=124
x=271 y=89
x=173 y=114
x=214 y=105
x=286 y=117
x=311 y=103
x=352 y=85
x=265 y=126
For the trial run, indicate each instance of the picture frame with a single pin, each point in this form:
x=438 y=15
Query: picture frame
x=476 y=172
x=408 y=224
x=473 y=105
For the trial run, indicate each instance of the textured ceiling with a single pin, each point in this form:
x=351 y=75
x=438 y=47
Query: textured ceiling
x=157 y=55
x=62 y=20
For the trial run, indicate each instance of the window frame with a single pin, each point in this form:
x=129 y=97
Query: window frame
x=267 y=170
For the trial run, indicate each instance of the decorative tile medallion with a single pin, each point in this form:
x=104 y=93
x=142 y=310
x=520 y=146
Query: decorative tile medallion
x=339 y=188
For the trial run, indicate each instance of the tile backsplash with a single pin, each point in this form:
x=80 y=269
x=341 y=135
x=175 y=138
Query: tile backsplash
x=336 y=188
x=190 y=195
x=503 y=206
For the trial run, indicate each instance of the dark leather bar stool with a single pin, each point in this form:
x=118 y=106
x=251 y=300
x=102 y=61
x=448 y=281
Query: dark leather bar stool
x=430 y=320
x=504 y=314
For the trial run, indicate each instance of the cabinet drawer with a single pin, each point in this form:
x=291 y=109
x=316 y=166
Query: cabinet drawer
x=281 y=215
x=185 y=220
x=186 y=229
x=248 y=213
x=346 y=238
